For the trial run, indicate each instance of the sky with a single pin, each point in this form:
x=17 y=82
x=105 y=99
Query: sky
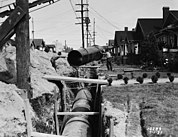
x=57 y=23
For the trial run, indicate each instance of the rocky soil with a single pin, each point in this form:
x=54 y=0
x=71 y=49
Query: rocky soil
x=12 y=120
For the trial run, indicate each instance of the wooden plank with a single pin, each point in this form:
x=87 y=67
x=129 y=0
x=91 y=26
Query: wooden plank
x=37 y=134
x=77 y=113
x=55 y=112
x=11 y=22
x=28 y=118
x=10 y=34
x=111 y=128
x=101 y=119
x=89 y=66
x=73 y=79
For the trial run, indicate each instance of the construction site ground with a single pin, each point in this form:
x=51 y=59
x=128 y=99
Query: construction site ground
x=138 y=110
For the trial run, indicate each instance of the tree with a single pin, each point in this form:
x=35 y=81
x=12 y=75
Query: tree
x=149 y=50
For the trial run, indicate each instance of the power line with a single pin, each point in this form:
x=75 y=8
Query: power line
x=104 y=18
x=73 y=8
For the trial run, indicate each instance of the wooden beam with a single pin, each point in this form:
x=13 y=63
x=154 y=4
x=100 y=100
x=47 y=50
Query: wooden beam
x=37 y=134
x=10 y=34
x=23 y=48
x=111 y=128
x=9 y=24
x=89 y=66
x=28 y=118
x=77 y=113
x=55 y=111
x=73 y=79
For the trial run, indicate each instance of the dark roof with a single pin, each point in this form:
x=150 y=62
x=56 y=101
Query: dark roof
x=50 y=45
x=124 y=36
x=174 y=13
x=111 y=42
x=149 y=25
x=38 y=42
x=171 y=19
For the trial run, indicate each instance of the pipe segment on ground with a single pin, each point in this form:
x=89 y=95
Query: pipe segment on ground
x=84 y=55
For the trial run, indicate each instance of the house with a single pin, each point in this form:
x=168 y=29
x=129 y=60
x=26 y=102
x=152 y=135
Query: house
x=145 y=26
x=168 y=35
x=37 y=44
x=111 y=46
x=50 y=48
x=167 y=39
x=125 y=44
x=164 y=29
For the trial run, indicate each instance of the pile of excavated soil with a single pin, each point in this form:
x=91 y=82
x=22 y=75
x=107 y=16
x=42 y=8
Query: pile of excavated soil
x=12 y=120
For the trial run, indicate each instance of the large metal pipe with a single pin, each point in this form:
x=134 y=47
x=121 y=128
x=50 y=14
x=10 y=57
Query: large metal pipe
x=79 y=126
x=84 y=55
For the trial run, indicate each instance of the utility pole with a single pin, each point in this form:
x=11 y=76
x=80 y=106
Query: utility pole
x=87 y=21
x=84 y=20
x=33 y=31
x=83 y=44
x=94 y=33
x=23 y=48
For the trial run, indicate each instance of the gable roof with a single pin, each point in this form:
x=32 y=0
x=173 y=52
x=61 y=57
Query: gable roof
x=149 y=25
x=37 y=42
x=174 y=13
x=121 y=36
x=111 y=42
x=50 y=45
x=171 y=19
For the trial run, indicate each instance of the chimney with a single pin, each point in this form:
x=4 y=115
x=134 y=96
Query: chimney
x=126 y=28
x=165 y=13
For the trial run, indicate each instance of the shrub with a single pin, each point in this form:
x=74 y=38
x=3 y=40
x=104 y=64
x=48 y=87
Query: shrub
x=126 y=79
x=140 y=80
x=132 y=75
x=157 y=74
x=119 y=76
x=154 y=79
x=168 y=74
x=109 y=81
x=171 y=78
x=144 y=75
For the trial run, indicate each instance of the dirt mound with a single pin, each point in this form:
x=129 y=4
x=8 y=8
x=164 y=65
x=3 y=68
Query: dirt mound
x=12 y=120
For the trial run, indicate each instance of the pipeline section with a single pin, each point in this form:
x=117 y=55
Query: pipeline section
x=79 y=125
x=84 y=55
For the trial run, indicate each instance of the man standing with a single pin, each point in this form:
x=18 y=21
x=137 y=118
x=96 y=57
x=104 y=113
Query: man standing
x=108 y=60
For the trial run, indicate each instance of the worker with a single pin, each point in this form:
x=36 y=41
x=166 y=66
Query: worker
x=108 y=60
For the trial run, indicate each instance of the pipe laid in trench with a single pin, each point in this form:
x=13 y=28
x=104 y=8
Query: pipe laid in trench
x=79 y=126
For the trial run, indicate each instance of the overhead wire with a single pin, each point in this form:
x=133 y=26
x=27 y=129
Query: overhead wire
x=73 y=9
x=106 y=20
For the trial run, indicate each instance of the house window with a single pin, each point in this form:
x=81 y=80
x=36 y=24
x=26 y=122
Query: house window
x=164 y=39
x=171 y=41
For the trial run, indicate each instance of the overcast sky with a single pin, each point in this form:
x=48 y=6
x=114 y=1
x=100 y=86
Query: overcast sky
x=57 y=21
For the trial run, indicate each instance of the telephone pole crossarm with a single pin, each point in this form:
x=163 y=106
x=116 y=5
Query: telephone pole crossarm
x=9 y=24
